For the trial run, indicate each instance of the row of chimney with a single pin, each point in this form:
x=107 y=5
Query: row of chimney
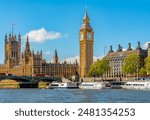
x=129 y=47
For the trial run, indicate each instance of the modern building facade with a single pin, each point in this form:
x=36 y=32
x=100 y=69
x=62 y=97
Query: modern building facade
x=86 y=39
x=116 y=59
x=32 y=64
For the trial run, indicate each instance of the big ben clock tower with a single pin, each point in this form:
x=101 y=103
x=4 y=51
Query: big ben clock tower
x=86 y=39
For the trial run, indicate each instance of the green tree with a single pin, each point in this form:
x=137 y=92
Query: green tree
x=142 y=71
x=99 y=67
x=93 y=70
x=131 y=64
x=103 y=66
x=147 y=64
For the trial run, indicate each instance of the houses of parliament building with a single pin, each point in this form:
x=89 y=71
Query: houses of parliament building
x=29 y=63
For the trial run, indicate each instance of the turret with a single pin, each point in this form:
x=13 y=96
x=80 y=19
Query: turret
x=22 y=55
x=27 y=42
x=148 y=48
x=9 y=38
x=55 y=58
x=12 y=50
x=14 y=38
x=76 y=62
x=41 y=53
x=27 y=47
x=5 y=48
x=5 y=38
x=19 y=39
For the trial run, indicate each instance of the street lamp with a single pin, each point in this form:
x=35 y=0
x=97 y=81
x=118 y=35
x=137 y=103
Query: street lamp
x=105 y=50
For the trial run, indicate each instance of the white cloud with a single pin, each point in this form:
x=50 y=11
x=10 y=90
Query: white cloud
x=47 y=53
x=95 y=58
x=124 y=49
x=145 y=45
x=41 y=35
x=73 y=59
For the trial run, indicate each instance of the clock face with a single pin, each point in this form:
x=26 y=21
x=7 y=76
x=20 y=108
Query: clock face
x=89 y=36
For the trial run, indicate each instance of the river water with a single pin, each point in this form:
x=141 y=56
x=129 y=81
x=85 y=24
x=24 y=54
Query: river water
x=73 y=96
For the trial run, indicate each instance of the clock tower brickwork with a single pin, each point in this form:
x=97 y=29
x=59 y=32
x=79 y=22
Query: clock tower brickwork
x=86 y=39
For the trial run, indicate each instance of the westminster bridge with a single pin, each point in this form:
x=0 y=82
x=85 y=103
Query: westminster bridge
x=24 y=81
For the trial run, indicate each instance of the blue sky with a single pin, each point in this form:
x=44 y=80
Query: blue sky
x=114 y=22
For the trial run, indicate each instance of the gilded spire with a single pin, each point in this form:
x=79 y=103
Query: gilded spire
x=56 y=53
x=13 y=29
x=19 y=38
x=55 y=59
x=27 y=40
x=27 y=43
x=85 y=18
x=86 y=21
x=27 y=49
x=86 y=15
x=5 y=37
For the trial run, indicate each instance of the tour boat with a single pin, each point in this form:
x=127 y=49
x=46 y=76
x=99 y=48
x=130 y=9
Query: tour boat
x=63 y=85
x=136 y=85
x=139 y=85
x=91 y=85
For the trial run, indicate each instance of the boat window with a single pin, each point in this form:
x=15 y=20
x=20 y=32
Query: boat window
x=54 y=85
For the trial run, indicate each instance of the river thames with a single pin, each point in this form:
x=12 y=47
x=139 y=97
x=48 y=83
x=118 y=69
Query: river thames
x=73 y=96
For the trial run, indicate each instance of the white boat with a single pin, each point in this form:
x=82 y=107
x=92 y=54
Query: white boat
x=53 y=85
x=63 y=85
x=91 y=85
x=68 y=85
x=140 y=85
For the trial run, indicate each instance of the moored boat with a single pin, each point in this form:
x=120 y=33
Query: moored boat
x=91 y=85
x=136 y=85
x=63 y=85
x=139 y=85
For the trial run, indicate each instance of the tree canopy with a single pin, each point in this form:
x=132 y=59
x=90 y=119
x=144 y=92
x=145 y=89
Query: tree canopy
x=131 y=64
x=99 y=67
x=142 y=71
x=147 y=64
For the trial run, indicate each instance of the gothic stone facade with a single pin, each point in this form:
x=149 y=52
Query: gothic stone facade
x=30 y=63
x=116 y=59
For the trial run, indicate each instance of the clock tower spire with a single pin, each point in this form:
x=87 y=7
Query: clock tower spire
x=86 y=39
